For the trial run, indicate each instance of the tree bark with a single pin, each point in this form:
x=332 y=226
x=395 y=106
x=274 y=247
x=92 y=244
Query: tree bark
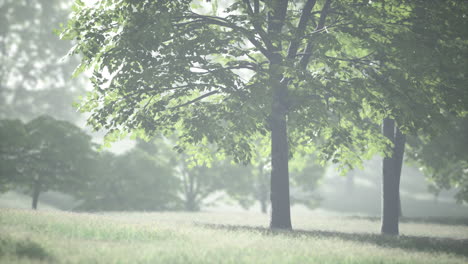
x=399 y=150
x=279 y=195
x=280 y=204
x=391 y=173
x=279 y=192
x=36 y=192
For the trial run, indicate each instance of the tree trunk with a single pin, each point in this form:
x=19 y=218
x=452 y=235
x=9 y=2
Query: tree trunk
x=280 y=205
x=399 y=150
x=36 y=192
x=279 y=193
x=190 y=204
x=263 y=206
x=391 y=179
x=191 y=195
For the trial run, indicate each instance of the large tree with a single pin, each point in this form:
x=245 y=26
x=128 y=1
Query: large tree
x=302 y=73
x=423 y=72
x=220 y=76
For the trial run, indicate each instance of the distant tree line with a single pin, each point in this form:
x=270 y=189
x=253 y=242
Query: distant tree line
x=48 y=154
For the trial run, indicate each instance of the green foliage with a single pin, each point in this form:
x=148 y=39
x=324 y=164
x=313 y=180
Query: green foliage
x=193 y=73
x=443 y=158
x=210 y=73
x=133 y=181
x=55 y=153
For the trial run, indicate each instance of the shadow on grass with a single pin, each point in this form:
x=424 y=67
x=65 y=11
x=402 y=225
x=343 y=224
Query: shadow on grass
x=23 y=249
x=424 y=220
x=416 y=243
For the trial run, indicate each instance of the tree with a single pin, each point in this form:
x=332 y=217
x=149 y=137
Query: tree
x=196 y=180
x=443 y=157
x=34 y=77
x=302 y=73
x=425 y=66
x=45 y=154
x=132 y=181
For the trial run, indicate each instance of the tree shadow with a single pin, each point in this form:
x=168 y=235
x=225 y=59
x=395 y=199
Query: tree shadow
x=425 y=220
x=416 y=243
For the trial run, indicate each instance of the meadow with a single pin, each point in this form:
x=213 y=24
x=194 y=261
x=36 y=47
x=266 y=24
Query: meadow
x=213 y=237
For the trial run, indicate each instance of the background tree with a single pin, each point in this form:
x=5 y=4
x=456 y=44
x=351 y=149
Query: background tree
x=132 y=181
x=48 y=154
x=196 y=180
x=34 y=76
x=444 y=157
x=421 y=74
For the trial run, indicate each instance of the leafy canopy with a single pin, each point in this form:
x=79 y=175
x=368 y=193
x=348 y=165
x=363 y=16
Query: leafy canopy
x=206 y=71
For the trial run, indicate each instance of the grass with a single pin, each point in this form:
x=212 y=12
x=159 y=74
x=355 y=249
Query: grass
x=63 y=237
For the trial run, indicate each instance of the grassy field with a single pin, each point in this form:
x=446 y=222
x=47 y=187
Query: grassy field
x=63 y=237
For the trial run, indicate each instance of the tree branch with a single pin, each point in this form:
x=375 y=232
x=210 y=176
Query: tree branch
x=226 y=23
x=195 y=100
x=320 y=26
x=261 y=32
x=256 y=6
x=306 y=14
x=278 y=15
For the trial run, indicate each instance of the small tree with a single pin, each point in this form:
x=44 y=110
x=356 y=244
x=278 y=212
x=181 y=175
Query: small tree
x=132 y=181
x=195 y=181
x=46 y=154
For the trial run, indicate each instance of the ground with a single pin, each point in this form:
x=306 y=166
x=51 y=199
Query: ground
x=214 y=237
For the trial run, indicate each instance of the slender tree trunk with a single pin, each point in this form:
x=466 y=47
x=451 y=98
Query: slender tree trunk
x=263 y=206
x=263 y=192
x=399 y=150
x=391 y=206
x=190 y=195
x=36 y=192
